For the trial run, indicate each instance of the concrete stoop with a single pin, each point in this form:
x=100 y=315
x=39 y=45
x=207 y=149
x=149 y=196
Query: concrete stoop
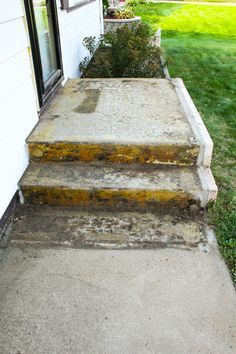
x=127 y=143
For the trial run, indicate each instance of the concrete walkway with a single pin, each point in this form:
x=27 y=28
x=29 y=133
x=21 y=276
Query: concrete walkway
x=106 y=153
x=167 y=301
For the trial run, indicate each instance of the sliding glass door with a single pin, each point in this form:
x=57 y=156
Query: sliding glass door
x=45 y=44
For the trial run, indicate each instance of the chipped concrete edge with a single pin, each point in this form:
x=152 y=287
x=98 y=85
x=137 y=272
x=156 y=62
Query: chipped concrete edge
x=209 y=187
x=201 y=134
x=212 y=246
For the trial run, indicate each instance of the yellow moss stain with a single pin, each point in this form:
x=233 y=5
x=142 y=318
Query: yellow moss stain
x=105 y=197
x=169 y=154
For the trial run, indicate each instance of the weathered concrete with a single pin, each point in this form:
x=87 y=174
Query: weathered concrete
x=98 y=301
x=99 y=184
x=128 y=111
x=201 y=134
x=132 y=126
x=51 y=226
x=120 y=120
x=144 y=154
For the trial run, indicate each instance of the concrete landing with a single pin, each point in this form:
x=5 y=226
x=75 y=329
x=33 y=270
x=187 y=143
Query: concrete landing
x=103 y=302
x=106 y=185
x=54 y=226
x=127 y=111
x=119 y=120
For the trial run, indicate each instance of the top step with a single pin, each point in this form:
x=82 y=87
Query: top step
x=122 y=120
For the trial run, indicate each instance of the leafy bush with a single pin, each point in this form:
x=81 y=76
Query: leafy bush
x=128 y=52
x=119 y=13
x=124 y=13
x=133 y=3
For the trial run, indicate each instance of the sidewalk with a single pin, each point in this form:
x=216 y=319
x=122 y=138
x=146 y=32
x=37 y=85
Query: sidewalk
x=166 y=301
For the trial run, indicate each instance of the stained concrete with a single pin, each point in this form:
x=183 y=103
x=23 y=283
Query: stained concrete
x=56 y=226
x=181 y=155
x=78 y=183
x=78 y=175
x=98 y=301
x=132 y=129
x=201 y=134
x=118 y=111
x=94 y=184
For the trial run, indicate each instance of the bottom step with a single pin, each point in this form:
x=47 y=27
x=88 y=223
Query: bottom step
x=102 y=185
x=57 y=226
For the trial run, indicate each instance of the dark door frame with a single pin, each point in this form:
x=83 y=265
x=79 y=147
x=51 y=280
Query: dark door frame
x=45 y=90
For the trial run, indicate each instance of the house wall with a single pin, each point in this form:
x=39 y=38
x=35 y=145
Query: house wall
x=18 y=96
x=74 y=27
x=18 y=100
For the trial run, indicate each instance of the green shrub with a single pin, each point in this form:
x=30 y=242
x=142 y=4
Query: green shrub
x=128 y=52
x=133 y=3
x=119 y=13
x=125 y=13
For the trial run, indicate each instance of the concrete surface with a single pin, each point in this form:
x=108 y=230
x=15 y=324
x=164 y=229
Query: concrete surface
x=78 y=183
x=201 y=134
x=69 y=227
x=125 y=111
x=79 y=175
x=123 y=120
x=146 y=122
x=98 y=301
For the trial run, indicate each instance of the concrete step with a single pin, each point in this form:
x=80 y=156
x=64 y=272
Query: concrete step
x=106 y=185
x=181 y=155
x=68 y=227
x=151 y=121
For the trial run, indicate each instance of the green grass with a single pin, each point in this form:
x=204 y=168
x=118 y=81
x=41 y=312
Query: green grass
x=199 y=19
x=208 y=0
x=200 y=46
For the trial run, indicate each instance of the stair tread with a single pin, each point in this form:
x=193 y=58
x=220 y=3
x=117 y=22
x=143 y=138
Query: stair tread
x=79 y=175
x=119 y=111
x=69 y=227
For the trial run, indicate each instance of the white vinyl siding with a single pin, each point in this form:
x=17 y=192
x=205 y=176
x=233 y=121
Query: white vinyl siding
x=18 y=96
x=18 y=99
x=74 y=27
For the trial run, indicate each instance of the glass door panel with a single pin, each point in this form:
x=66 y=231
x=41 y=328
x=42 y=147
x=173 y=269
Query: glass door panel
x=45 y=45
x=44 y=25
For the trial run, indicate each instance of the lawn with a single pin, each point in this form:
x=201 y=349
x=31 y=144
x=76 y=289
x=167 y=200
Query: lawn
x=207 y=0
x=200 y=47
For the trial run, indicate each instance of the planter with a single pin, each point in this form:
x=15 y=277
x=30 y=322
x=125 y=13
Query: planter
x=111 y=25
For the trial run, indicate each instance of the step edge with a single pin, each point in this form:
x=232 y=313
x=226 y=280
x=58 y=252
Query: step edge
x=209 y=187
x=198 y=127
x=192 y=169
x=102 y=142
x=156 y=154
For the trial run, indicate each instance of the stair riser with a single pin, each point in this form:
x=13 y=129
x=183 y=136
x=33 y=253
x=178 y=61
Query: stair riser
x=171 y=154
x=105 y=198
